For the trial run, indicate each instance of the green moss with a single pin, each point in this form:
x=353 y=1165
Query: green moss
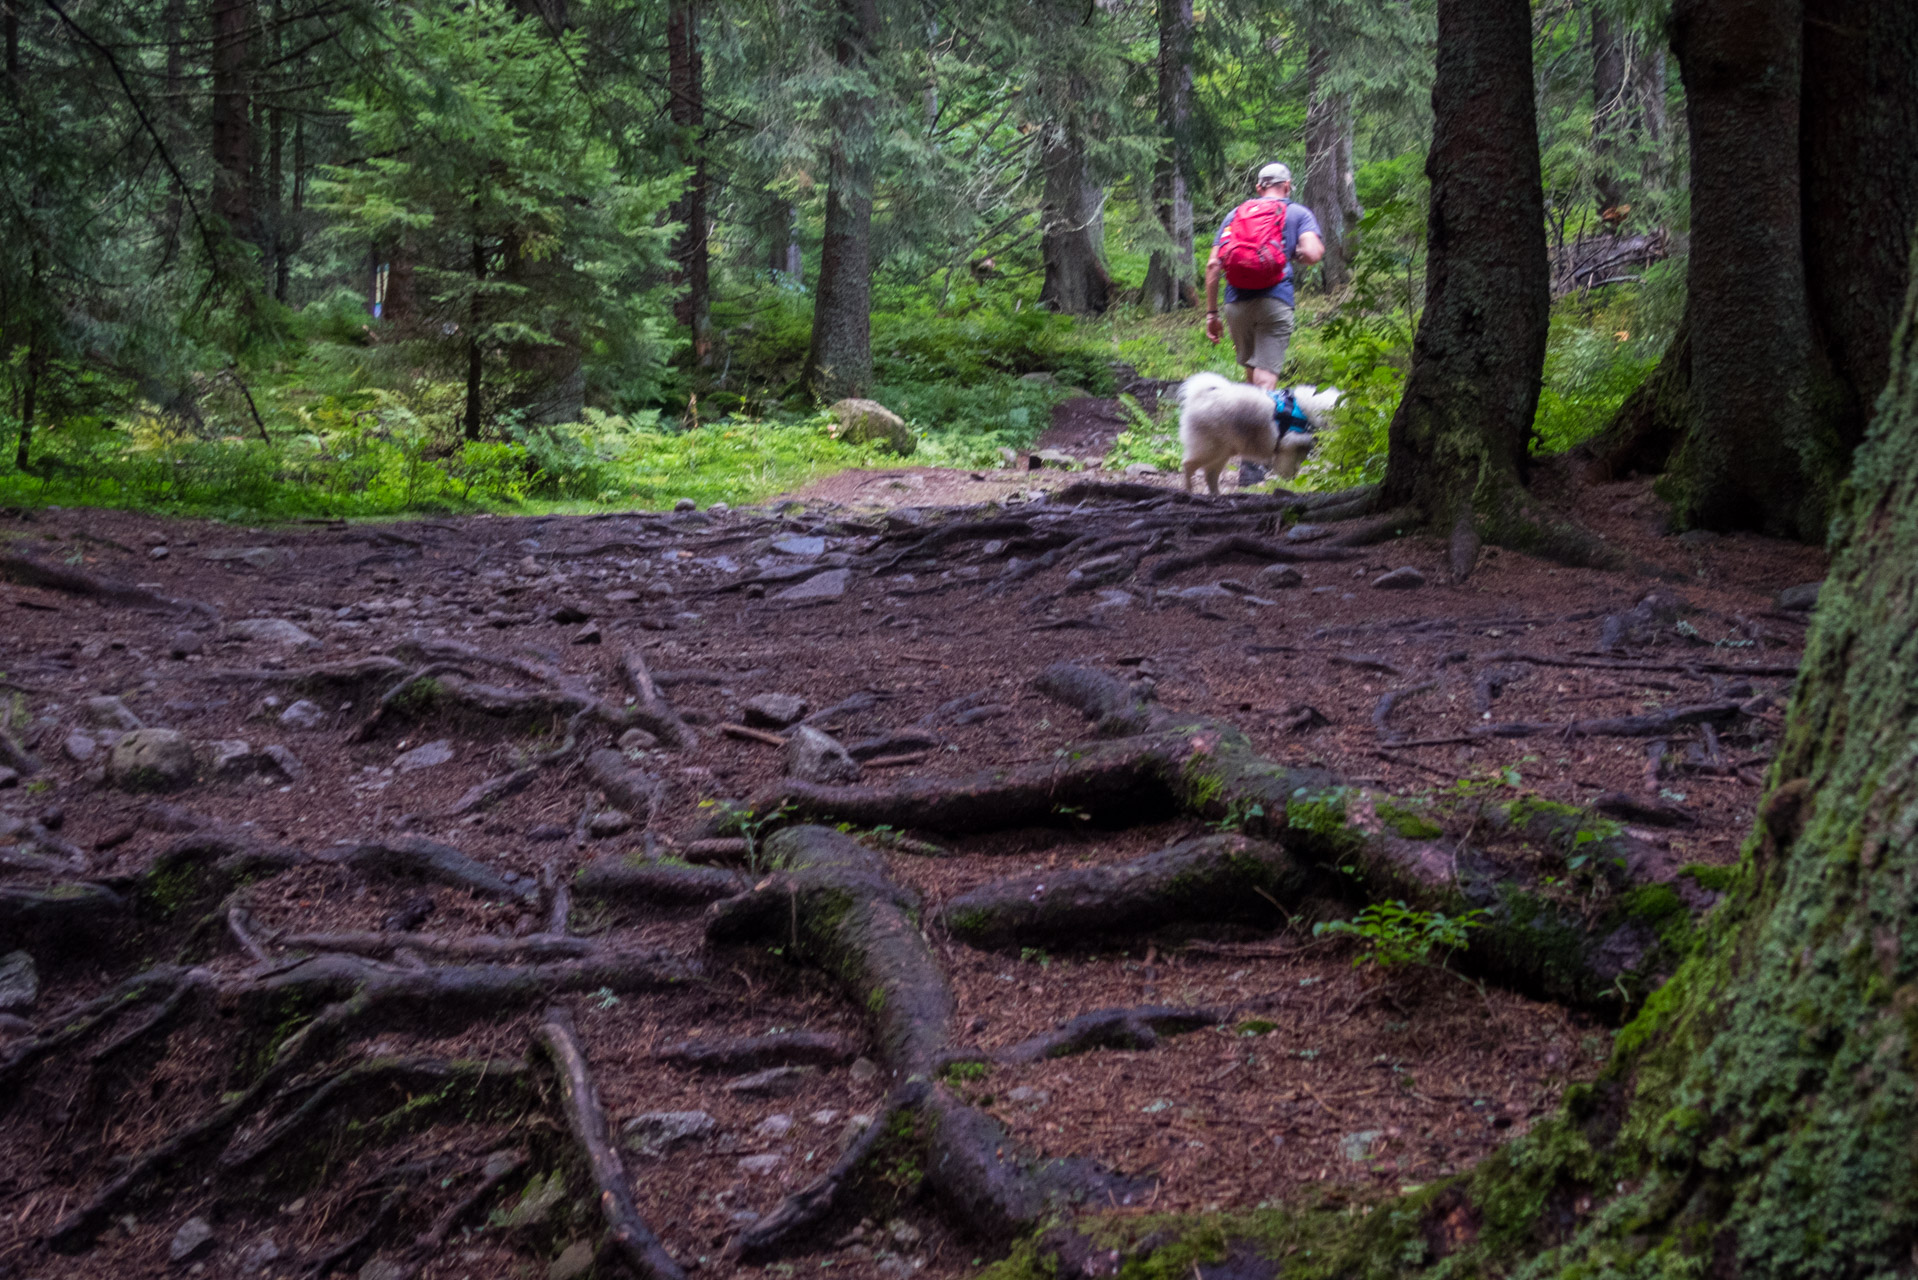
x=1407 y=822
x=1320 y=812
x=1707 y=876
x=969 y=920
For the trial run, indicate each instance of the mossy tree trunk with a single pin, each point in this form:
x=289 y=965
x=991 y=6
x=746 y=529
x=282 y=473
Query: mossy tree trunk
x=839 y=361
x=1458 y=444
x=1076 y=281
x=1331 y=189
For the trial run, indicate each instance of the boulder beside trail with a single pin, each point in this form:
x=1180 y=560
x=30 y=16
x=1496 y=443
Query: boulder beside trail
x=151 y=760
x=859 y=421
x=812 y=756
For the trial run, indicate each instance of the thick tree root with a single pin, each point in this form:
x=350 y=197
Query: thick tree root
x=629 y=1235
x=834 y=906
x=29 y=572
x=653 y=882
x=1603 y=952
x=1221 y=877
x=752 y=1053
x=417 y=858
x=1240 y=547
x=1138 y=1028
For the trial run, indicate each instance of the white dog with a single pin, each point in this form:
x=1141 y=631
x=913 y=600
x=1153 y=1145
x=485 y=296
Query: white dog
x=1220 y=419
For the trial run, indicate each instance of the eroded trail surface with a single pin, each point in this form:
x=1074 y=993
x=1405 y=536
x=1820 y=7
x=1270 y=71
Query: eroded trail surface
x=479 y=896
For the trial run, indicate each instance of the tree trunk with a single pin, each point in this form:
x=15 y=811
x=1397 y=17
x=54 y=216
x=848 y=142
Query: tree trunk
x=839 y=361
x=23 y=447
x=1169 y=274
x=232 y=127
x=1859 y=133
x=1331 y=186
x=1457 y=448
x=1761 y=450
x=1610 y=93
x=782 y=241
x=1076 y=281
x=475 y=362
x=691 y=250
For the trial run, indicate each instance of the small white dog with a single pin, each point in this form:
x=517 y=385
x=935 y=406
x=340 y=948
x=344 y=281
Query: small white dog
x=1220 y=419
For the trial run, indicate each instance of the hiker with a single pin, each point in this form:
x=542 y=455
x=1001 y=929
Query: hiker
x=1256 y=246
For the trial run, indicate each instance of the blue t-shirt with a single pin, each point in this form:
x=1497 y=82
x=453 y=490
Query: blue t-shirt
x=1298 y=221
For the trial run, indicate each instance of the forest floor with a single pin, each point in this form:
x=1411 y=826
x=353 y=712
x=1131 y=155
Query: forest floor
x=1309 y=1075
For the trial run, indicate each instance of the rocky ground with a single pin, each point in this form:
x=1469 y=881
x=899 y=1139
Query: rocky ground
x=412 y=899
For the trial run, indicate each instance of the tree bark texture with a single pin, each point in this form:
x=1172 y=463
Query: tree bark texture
x=1331 y=182
x=692 y=255
x=231 y=120
x=1076 y=281
x=839 y=361
x=1858 y=138
x=1457 y=447
x=1169 y=274
x=1761 y=450
x=1609 y=96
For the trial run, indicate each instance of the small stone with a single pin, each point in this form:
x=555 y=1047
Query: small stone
x=1205 y=591
x=807 y=547
x=829 y=585
x=864 y=1070
x=303 y=715
x=574 y=1261
x=19 y=982
x=272 y=631
x=110 y=713
x=1141 y=469
x=903 y=1232
x=254 y=557
x=1697 y=538
x=1800 y=598
x=192 y=1239
x=544 y=831
x=823 y=1117
x=1026 y=1093
x=8 y=778
x=426 y=756
x=158 y=553
x=588 y=634
x=637 y=740
x=1277 y=577
x=773 y=710
x=285 y=761
x=151 y=760
x=228 y=755
x=569 y=614
x=1404 y=578
x=761 y=1164
x=79 y=747
x=259 y=1255
x=1307 y=532
x=185 y=644
x=654 y=1132
x=814 y=756
x=608 y=823
x=719 y=508
x=774 y=1126
x=770 y=1082
x=378 y=1268
x=685 y=504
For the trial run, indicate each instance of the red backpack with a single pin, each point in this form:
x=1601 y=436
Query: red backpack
x=1253 y=251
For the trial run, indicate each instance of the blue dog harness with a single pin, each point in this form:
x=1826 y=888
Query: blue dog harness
x=1287 y=414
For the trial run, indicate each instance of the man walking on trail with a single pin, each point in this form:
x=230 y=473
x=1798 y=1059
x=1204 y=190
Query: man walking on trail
x=1258 y=242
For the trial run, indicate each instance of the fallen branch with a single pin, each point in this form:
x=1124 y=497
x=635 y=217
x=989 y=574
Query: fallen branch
x=29 y=572
x=1138 y=1028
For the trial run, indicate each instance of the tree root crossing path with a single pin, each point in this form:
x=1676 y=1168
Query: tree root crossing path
x=883 y=890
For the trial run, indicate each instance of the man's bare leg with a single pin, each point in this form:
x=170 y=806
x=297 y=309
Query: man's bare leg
x=1251 y=473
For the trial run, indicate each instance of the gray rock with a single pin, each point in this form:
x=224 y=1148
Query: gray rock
x=543 y=1195
x=151 y=760
x=1141 y=469
x=1204 y=592
x=255 y=557
x=685 y=504
x=864 y=1071
x=774 y=710
x=1695 y=538
x=813 y=756
x=859 y=421
x=588 y=634
x=228 y=756
x=9 y=778
x=637 y=740
x=1307 y=532
x=798 y=546
x=158 y=553
x=191 y=1240
x=655 y=1132
x=829 y=585
x=272 y=631
x=285 y=761
x=1277 y=577
x=79 y=747
x=425 y=756
x=770 y=1082
x=378 y=1268
x=1112 y=599
x=761 y=1165
x=107 y=712
x=1405 y=578
x=1802 y=597
x=19 y=982
x=303 y=715
x=185 y=644
x=259 y=1255
x=1026 y=1093
x=574 y=1261
x=608 y=823
x=719 y=508
x=774 y=1126
x=1058 y=459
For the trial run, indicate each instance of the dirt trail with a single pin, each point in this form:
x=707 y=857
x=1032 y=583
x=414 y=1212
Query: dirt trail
x=430 y=715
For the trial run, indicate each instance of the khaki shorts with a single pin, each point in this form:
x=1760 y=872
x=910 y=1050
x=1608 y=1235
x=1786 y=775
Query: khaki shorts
x=1261 y=329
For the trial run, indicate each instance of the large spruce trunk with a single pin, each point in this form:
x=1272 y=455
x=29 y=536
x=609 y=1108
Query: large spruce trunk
x=1458 y=443
x=1168 y=276
x=691 y=255
x=839 y=361
x=231 y=121
x=1331 y=187
x=1760 y=450
x=1076 y=281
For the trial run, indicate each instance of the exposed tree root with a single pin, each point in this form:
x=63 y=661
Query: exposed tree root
x=417 y=858
x=354 y=673
x=534 y=946
x=29 y=572
x=1241 y=547
x=1222 y=877
x=629 y=1235
x=751 y=1053
x=650 y=710
x=1138 y=1028
x=653 y=882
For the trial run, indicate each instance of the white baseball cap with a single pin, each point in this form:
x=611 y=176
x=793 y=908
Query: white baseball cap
x=1273 y=174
